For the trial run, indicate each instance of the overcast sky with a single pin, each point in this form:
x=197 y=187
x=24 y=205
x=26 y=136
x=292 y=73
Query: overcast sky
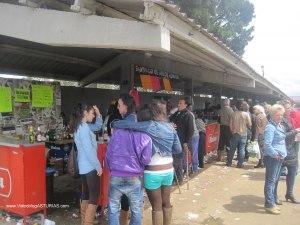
x=276 y=43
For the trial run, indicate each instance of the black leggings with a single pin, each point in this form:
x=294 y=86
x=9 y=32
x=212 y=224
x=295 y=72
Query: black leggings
x=90 y=187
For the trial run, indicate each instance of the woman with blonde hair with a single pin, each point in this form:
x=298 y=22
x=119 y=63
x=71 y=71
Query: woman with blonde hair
x=275 y=152
x=267 y=109
x=261 y=123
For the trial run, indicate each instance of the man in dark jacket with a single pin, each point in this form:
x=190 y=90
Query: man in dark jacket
x=183 y=120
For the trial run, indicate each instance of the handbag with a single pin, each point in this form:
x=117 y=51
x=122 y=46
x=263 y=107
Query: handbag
x=253 y=149
x=73 y=169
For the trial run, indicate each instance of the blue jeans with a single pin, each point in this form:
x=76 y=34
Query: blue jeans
x=237 y=141
x=271 y=180
x=193 y=146
x=290 y=179
x=132 y=188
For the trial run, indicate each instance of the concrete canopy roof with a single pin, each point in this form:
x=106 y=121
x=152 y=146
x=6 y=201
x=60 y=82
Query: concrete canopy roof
x=207 y=59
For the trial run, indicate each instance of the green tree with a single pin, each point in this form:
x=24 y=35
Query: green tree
x=229 y=20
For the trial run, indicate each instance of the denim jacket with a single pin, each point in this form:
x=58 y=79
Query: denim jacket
x=275 y=140
x=86 y=144
x=165 y=140
x=97 y=125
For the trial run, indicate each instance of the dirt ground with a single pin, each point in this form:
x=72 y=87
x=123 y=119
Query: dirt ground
x=217 y=196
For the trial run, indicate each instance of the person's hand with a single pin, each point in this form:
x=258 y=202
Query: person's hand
x=99 y=172
x=185 y=147
x=278 y=157
x=174 y=125
x=97 y=111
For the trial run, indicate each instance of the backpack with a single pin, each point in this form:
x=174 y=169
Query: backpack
x=73 y=169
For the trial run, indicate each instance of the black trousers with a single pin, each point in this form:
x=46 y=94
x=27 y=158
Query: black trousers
x=90 y=187
x=201 y=149
x=225 y=136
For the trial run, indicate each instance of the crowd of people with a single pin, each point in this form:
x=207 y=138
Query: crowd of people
x=150 y=148
x=271 y=127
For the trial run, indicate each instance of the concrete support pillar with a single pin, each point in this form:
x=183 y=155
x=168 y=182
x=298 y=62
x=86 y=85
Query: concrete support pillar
x=218 y=99
x=127 y=78
x=189 y=89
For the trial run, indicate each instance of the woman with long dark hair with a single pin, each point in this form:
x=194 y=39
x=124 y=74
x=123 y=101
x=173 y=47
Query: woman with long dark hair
x=127 y=154
x=126 y=108
x=88 y=163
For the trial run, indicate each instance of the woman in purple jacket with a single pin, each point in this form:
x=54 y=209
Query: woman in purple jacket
x=159 y=173
x=128 y=154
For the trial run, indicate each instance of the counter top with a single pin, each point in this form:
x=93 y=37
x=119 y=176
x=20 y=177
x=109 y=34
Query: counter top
x=212 y=122
x=61 y=142
x=13 y=142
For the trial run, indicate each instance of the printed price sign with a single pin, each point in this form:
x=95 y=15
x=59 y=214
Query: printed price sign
x=22 y=95
x=42 y=96
x=5 y=99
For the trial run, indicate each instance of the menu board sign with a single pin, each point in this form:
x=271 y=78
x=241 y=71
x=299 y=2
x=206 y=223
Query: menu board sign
x=42 y=96
x=5 y=99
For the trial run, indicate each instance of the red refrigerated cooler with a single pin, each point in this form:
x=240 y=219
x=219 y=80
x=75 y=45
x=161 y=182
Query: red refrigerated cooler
x=212 y=137
x=22 y=177
x=104 y=179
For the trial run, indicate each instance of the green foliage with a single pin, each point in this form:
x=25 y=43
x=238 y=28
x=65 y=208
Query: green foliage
x=229 y=20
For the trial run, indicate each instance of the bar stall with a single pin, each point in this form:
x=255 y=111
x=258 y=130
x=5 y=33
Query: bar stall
x=30 y=125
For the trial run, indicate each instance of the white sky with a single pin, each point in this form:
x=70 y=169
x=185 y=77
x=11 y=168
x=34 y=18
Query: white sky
x=276 y=43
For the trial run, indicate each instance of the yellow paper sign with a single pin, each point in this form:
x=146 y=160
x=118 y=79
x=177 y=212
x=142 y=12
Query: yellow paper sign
x=167 y=84
x=42 y=96
x=146 y=81
x=22 y=95
x=5 y=99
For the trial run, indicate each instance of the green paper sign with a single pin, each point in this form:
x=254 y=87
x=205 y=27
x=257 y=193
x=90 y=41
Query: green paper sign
x=5 y=99
x=22 y=95
x=42 y=96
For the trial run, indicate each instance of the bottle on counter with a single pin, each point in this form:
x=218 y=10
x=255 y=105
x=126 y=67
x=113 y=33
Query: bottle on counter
x=39 y=136
x=31 y=134
x=105 y=137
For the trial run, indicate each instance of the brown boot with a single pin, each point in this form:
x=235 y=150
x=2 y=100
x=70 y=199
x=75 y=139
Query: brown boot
x=220 y=156
x=157 y=217
x=83 y=206
x=90 y=214
x=167 y=212
x=124 y=217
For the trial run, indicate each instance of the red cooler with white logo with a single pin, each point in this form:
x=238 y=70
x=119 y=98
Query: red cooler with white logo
x=212 y=137
x=22 y=178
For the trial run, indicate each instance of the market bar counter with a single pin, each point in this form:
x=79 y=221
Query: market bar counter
x=22 y=177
